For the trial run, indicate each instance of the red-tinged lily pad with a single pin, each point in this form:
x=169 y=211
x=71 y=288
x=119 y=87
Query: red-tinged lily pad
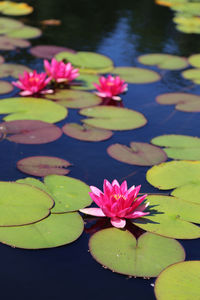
x=136 y=75
x=141 y=154
x=12 y=70
x=5 y=87
x=7 y=43
x=43 y=165
x=86 y=133
x=30 y=132
x=26 y=32
x=48 y=51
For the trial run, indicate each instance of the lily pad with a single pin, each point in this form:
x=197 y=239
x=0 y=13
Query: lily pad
x=26 y=32
x=12 y=70
x=43 y=165
x=179 y=281
x=194 y=60
x=5 y=87
x=113 y=118
x=48 y=51
x=7 y=43
x=190 y=191
x=54 y=231
x=75 y=99
x=8 y=24
x=85 y=82
x=86 y=133
x=30 y=132
x=136 y=75
x=192 y=74
x=141 y=154
x=22 y=204
x=164 y=61
x=27 y=108
x=187 y=24
x=15 y=9
x=119 y=251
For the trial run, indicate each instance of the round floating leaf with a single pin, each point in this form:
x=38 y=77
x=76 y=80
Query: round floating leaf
x=86 y=133
x=12 y=70
x=192 y=74
x=30 y=132
x=194 y=60
x=27 y=108
x=48 y=51
x=5 y=87
x=164 y=61
x=22 y=204
x=188 y=192
x=7 y=43
x=54 y=231
x=85 y=82
x=170 y=2
x=26 y=32
x=179 y=281
x=141 y=154
x=136 y=75
x=122 y=253
x=43 y=165
x=113 y=118
x=8 y=24
x=15 y=9
x=75 y=99
x=34 y=182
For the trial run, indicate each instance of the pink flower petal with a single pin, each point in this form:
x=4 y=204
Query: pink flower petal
x=93 y=211
x=119 y=223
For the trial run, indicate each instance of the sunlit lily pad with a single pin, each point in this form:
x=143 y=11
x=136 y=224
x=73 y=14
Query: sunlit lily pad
x=7 y=43
x=194 y=60
x=192 y=74
x=164 y=61
x=141 y=154
x=43 y=165
x=179 y=281
x=30 y=132
x=75 y=99
x=190 y=191
x=27 y=108
x=86 y=133
x=15 y=9
x=119 y=251
x=12 y=70
x=85 y=82
x=170 y=2
x=8 y=24
x=113 y=118
x=48 y=51
x=5 y=87
x=187 y=24
x=136 y=75
x=54 y=231
x=26 y=32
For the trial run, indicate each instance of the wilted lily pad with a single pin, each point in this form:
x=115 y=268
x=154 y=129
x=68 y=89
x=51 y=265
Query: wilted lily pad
x=30 y=132
x=12 y=70
x=113 y=118
x=85 y=82
x=5 y=87
x=43 y=165
x=179 y=281
x=119 y=251
x=136 y=75
x=7 y=43
x=48 y=51
x=8 y=24
x=26 y=32
x=15 y=9
x=141 y=154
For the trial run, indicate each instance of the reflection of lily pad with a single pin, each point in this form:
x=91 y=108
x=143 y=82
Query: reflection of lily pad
x=26 y=32
x=85 y=82
x=48 y=51
x=12 y=70
x=15 y=9
x=122 y=253
x=136 y=75
x=142 y=154
x=113 y=118
x=5 y=87
x=8 y=24
x=7 y=43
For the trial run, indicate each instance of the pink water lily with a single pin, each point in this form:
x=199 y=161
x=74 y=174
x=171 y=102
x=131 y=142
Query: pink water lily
x=60 y=72
x=32 y=83
x=117 y=203
x=110 y=87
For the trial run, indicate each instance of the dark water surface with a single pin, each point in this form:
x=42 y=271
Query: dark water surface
x=121 y=30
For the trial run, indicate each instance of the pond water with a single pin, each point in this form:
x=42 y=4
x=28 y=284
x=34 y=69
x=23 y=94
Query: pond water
x=121 y=30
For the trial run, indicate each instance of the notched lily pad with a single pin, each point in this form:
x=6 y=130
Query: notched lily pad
x=136 y=75
x=48 y=51
x=26 y=32
x=12 y=70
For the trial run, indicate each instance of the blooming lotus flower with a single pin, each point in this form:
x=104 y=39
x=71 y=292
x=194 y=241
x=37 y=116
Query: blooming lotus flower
x=117 y=202
x=59 y=71
x=32 y=83
x=110 y=87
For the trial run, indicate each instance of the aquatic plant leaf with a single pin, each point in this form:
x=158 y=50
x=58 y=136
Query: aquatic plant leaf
x=170 y=2
x=26 y=32
x=119 y=251
x=22 y=204
x=7 y=43
x=43 y=165
x=30 y=132
x=187 y=24
x=12 y=70
x=192 y=74
x=194 y=60
x=27 y=108
x=8 y=24
x=74 y=99
x=15 y=9
x=86 y=133
x=188 y=192
x=113 y=118
x=190 y=8
x=141 y=154
x=54 y=231
x=85 y=82
x=5 y=87
x=179 y=281
x=48 y=51
x=136 y=75
x=164 y=61
x=35 y=183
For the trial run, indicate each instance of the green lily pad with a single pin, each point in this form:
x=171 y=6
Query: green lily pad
x=7 y=43
x=12 y=70
x=192 y=74
x=113 y=118
x=164 y=61
x=136 y=75
x=119 y=251
x=85 y=82
x=54 y=231
x=27 y=108
x=8 y=24
x=34 y=182
x=26 y=32
x=22 y=204
x=15 y=9
x=188 y=192
x=179 y=281
x=187 y=24
x=5 y=87
x=86 y=133
x=141 y=154
x=194 y=60
x=188 y=8
x=75 y=99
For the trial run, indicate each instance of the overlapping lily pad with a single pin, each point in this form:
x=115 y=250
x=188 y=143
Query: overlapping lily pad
x=8 y=24
x=12 y=70
x=7 y=43
x=164 y=61
x=136 y=75
x=85 y=82
x=113 y=118
x=5 y=87
x=119 y=251
x=48 y=51
x=141 y=154
x=15 y=9
x=26 y=32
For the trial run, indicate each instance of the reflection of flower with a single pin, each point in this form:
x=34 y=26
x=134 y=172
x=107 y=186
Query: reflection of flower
x=110 y=87
x=32 y=83
x=59 y=71
x=117 y=202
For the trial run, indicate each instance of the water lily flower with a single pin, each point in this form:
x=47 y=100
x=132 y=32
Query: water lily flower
x=110 y=87
x=32 y=83
x=60 y=72
x=117 y=203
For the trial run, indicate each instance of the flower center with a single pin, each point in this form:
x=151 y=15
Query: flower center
x=118 y=196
